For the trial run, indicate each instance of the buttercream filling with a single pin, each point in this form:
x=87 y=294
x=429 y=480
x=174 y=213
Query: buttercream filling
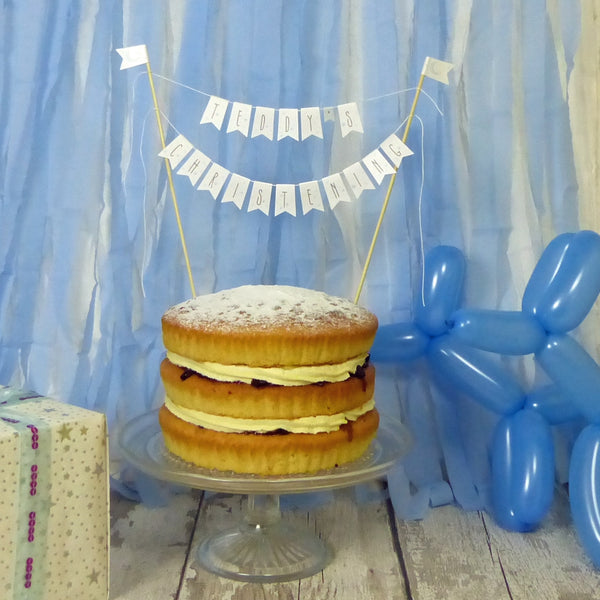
x=301 y=375
x=313 y=424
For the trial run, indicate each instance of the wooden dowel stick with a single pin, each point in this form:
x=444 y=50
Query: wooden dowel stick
x=388 y=194
x=170 y=178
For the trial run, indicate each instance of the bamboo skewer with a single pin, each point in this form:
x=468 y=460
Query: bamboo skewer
x=388 y=193
x=170 y=178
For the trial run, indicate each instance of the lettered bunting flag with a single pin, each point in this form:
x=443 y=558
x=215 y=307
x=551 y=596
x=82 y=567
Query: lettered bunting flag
x=214 y=180
x=377 y=165
x=215 y=111
x=236 y=190
x=349 y=118
x=287 y=124
x=335 y=190
x=194 y=166
x=260 y=197
x=176 y=151
x=310 y=122
x=285 y=199
x=310 y=196
x=239 y=119
x=264 y=122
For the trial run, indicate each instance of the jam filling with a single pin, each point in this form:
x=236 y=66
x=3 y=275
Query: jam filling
x=359 y=373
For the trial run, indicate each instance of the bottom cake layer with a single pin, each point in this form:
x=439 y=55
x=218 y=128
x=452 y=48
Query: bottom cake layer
x=268 y=454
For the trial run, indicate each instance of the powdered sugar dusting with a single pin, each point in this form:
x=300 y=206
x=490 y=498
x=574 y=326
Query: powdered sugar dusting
x=262 y=306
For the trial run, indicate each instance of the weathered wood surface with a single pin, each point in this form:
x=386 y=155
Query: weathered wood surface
x=451 y=555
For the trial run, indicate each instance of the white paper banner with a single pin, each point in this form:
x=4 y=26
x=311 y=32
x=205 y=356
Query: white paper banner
x=215 y=111
x=310 y=196
x=395 y=149
x=194 y=166
x=260 y=197
x=378 y=165
x=335 y=190
x=310 y=122
x=239 y=119
x=176 y=150
x=287 y=124
x=357 y=179
x=349 y=118
x=264 y=122
x=285 y=198
x=236 y=190
x=133 y=56
x=214 y=180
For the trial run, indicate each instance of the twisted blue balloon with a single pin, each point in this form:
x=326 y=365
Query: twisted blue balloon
x=458 y=345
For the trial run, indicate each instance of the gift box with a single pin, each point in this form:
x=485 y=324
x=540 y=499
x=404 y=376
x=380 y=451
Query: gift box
x=54 y=520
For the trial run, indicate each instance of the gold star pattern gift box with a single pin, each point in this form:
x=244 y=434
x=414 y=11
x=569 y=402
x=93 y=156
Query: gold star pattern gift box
x=54 y=523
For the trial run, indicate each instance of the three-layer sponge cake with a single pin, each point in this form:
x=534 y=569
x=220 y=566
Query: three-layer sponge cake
x=268 y=380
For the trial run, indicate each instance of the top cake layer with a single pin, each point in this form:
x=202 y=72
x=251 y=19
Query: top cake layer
x=268 y=325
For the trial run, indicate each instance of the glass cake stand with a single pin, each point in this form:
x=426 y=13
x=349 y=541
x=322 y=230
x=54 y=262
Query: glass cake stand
x=262 y=547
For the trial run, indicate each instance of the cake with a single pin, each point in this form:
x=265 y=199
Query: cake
x=268 y=380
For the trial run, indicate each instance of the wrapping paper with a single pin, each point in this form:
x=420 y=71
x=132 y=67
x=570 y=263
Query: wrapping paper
x=54 y=528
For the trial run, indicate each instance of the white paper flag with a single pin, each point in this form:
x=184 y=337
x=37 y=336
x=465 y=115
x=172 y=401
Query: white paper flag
x=310 y=196
x=378 y=165
x=335 y=189
x=437 y=69
x=395 y=149
x=239 y=119
x=329 y=113
x=264 y=122
x=357 y=179
x=285 y=199
x=236 y=190
x=310 y=122
x=176 y=150
x=194 y=166
x=133 y=56
x=215 y=112
x=214 y=180
x=349 y=118
x=287 y=124
x=260 y=197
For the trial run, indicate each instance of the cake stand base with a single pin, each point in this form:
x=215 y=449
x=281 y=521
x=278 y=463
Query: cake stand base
x=263 y=548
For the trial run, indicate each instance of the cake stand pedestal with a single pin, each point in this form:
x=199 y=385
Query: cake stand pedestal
x=261 y=547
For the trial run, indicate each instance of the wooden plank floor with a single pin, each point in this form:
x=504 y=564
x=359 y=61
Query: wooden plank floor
x=449 y=555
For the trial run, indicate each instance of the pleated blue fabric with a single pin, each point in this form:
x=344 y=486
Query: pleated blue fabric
x=90 y=254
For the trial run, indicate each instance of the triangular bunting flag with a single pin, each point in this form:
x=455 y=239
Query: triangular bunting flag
x=285 y=199
x=214 y=179
x=215 y=112
x=395 y=149
x=194 y=166
x=176 y=150
x=287 y=125
x=357 y=179
x=260 y=197
x=349 y=118
x=378 y=165
x=310 y=196
x=236 y=190
x=335 y=189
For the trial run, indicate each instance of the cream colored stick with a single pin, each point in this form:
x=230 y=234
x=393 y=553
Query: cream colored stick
x=170 y=178
x=388 y=194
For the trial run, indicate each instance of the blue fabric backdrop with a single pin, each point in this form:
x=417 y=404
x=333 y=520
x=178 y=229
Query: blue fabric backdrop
x=89 y=249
